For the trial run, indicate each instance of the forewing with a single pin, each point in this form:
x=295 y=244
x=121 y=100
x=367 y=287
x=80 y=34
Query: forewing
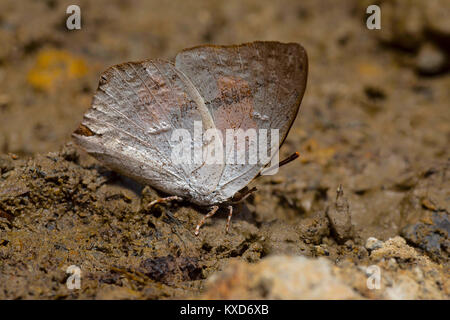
x=129 y=127
x=255 y=85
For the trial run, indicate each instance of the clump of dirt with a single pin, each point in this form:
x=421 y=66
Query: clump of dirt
x=431 y=235
x=59 y=211
x=63 y=209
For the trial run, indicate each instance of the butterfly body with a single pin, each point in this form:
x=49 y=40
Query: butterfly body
x=138 y=105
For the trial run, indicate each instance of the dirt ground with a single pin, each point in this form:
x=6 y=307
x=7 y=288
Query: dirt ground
x=375 y=119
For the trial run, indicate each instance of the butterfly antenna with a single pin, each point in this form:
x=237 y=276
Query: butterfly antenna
x=292 y=157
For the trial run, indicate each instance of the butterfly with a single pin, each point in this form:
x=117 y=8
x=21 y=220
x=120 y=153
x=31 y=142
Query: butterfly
x=139 y=106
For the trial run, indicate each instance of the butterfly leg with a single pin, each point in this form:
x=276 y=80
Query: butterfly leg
x=164 y=200
x=202 y=222
x=230 y=214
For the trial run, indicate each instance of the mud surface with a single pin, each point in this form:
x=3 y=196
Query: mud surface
x=375 y=120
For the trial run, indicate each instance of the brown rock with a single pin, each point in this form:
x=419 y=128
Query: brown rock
x=340 y=217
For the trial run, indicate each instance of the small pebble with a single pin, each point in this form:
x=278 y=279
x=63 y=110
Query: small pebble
x=321 y=250
x=373 y=243
x=392 y=263
x=430 y=60
x=349 y=244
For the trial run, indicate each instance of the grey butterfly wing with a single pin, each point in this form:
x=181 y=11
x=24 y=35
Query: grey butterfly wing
x=129 y=127
x=255 y=85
